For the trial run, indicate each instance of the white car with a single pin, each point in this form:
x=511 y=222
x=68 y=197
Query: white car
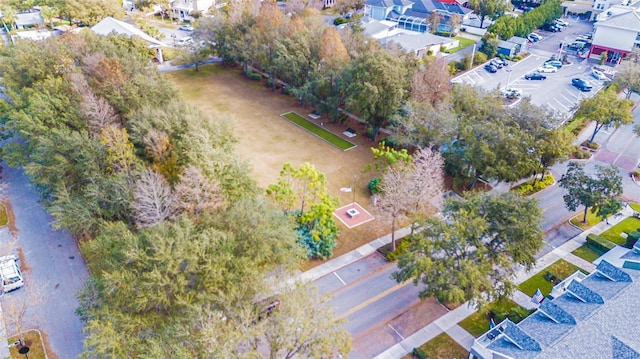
x=511 y=93
x=185 y=41
x=547 y=68
x=599 y=75
x=535 y=36
x=10 y=273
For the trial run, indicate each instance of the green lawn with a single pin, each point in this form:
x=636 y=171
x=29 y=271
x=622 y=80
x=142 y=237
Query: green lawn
x=34 y=342
x=628 y=225
x=464 y=42
x=592 y=220
x=635 y=206
x=319 y=131
x=561 y=269
x=4 y=216
x=478 y=323
x=442 y=347
x=587 y=253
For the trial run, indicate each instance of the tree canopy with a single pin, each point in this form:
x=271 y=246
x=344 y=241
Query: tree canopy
x=476 y=243
x=607 y=110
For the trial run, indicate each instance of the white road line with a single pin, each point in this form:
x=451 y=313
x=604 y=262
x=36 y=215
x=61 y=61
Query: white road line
x=394 y=329
x=561 y=105
x=340 y=279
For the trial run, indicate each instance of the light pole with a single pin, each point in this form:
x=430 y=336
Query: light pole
x=508 y=77
x=353 y=189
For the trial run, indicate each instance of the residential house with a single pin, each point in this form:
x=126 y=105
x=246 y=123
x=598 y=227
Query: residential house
x=616 y=35
x=414 y=14
x=27 y=20
x=109 y=25
x=183 y=9
x=591 y=316
x=508 y=49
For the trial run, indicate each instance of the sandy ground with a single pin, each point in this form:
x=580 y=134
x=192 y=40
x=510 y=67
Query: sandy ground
x=268 y=141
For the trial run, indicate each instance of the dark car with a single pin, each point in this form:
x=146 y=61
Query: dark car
x=491 y=68
x=535 y=76
x=581 y=84
x=552 y=28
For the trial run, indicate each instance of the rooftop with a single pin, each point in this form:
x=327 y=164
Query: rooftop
x=596 y=317
x=110 y=25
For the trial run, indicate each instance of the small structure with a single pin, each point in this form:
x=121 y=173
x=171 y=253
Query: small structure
x=521 y=42
x=352 y=212
x=508 y=49
x=27 y=20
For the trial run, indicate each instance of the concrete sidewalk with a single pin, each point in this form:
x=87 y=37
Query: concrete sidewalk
x=448 y=322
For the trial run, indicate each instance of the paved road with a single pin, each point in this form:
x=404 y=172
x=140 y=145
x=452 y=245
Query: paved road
x=53 y=267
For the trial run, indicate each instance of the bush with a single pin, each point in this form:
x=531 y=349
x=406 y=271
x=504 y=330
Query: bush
x=254 y=76
x=534 y=185
x=591 y=145
x=632 y=238
x=402 y=246
x=374 y=185
x=340 y=21
x=419 y=353
x=599 y=243
x=479 y=58
x=453 y=69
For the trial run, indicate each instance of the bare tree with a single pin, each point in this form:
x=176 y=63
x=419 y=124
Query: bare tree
x=394 y=198
x=16 y=307
x=153 y=200
x=96 y=109
x=432 y=83
x=157 y=145
x=195 y=193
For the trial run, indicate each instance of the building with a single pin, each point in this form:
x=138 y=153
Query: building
x=414 y=15
x=27 y=20
x=616 y=35
x=183 y=9
x=109 y=25
x=512 y=47
x=592 y=316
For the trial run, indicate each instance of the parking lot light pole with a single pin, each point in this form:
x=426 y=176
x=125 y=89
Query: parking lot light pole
x=508 y=77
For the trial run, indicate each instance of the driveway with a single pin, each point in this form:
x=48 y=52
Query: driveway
x=54 y=271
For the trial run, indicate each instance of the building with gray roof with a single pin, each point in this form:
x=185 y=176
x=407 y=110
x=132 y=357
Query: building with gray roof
x=594 y=317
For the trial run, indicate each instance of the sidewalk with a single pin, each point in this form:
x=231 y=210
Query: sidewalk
x=448 y=322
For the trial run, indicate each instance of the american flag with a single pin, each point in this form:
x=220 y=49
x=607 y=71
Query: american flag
x=537 y=297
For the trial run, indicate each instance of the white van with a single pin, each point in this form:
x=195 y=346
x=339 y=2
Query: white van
x=185 y=41
x=10 y=273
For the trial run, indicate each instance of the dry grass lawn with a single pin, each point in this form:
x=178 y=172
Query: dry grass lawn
x=268 y=141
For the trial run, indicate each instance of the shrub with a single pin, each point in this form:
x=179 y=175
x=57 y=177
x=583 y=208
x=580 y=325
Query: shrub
x=599 y=243
x=534 y=185
x=591 y=145
x=632 y=238
x=340 y=21
x=419 y=353
x=452 y=68
x=374 y=185
x=254 y=76
x=401 y=248
x=479 y=58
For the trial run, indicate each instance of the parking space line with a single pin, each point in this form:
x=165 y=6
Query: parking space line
x=565 y=108
x=394 y=329
x=340 y=279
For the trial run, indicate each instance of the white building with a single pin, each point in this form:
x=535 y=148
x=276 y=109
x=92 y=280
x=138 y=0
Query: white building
x=616 y=34
x=183 y=9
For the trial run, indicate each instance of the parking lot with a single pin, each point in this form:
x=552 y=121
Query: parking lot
x=556 y=92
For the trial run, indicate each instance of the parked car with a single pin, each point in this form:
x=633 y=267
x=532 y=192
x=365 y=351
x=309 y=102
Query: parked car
x=10 y=273
x=511 y=93
x=185 y=41
x=500 y=61
x=581 y=84
x=599 y=75
x=186 y=28
x=561 y=22
x=576 y=46
x=491 y=68
x=497 y=63
x=535 y=76
x=554 y=63
x=552 y=28
x=535 y=36
x=547 y=69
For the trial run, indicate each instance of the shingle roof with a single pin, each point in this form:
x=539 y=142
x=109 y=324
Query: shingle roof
x=388 y=3
x=29 y=18
x=629 y=20
x=109 y=25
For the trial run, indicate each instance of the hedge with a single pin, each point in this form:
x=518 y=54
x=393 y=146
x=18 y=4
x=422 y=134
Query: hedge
x=535 y=185
x=632 y=238
x=599 y=243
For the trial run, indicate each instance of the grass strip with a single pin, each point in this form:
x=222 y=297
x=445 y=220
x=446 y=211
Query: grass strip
x=478 y=323
x=587 y=252
x=442 y=346
x=561 y=269
x=613 y=234
x=318 y=131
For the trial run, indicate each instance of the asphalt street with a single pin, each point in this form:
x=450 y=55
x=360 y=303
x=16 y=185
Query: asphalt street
x=54 y=270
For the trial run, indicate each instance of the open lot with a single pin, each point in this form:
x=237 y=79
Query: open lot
x=268 y=141
x=556 y=92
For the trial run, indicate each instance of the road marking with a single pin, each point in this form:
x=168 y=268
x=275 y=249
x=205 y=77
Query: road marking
x=394 y=329
x=373 y=299
x=340 y=279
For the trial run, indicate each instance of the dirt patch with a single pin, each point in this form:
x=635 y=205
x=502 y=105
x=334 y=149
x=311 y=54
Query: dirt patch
x=418 y=316
x=47 y=346
x=269 y=141
x=11 y=217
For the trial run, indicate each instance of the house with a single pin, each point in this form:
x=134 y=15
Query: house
x=421 y=44
x=183 y=9
x=616 y=35
x=414 y=14
x=27 y=20
x=523 y=44
x=593 y=316
x=109 y=25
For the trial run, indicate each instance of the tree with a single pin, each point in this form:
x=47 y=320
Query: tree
x=434 y=19
x=454 y=22
x=597 y=192
x=302 y=194
x=8 y=17
x=376 y=85
x=153 y=200
x=476 y=243
x=628 y=77
x=48 y=14
x=432 y=83
x=195 y=194
x=607 y=110
x=489 y=8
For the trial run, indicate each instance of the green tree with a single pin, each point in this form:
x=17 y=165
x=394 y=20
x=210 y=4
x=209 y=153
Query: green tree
x=476 y=243
x=8 y=17
x=302 y=194
x=48 y=14
x=628 y=77
x=599 y=192
x=607 y=110
x=376 y=84
x=489 y=8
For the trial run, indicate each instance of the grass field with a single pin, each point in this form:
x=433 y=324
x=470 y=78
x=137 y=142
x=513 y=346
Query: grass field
x=442 y=347
x=587 y=253
x=4 y=216
x=592 y=220
x=561 y=269
x=464 y=42
x=33 y=340
x=478 y=323
x=319 y=131
x=267 y=142
x=626 y=226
